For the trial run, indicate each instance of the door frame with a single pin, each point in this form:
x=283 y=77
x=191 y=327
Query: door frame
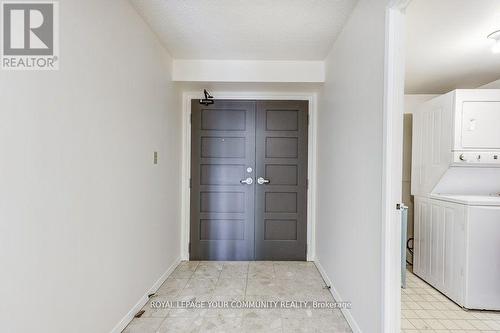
x=394 y=85
x=186 y=158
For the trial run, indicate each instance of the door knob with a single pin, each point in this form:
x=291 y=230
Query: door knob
x=401 y=206
x=263 y=181
x=248 y=181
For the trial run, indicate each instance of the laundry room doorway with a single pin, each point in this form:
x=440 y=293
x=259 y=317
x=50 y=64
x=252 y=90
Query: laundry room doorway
x=248 y=184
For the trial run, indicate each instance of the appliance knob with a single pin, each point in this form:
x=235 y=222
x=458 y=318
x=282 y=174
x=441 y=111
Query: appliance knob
x=462 y=157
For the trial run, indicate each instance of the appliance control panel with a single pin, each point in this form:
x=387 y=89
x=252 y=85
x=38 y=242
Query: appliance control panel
x=481 y=158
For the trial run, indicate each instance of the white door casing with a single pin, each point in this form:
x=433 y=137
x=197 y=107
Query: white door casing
x=393 y=165
x=186 y=158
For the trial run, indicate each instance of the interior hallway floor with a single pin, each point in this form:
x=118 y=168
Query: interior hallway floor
x=424 y=309
x=246 y=281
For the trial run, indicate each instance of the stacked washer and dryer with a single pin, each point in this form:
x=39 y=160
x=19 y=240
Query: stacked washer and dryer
x=456 y=185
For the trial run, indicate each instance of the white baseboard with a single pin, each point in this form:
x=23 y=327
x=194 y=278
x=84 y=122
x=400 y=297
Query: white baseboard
x=346 y=312
x=144 y=299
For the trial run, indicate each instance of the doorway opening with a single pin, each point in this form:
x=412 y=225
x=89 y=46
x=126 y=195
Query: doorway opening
x=450 y=173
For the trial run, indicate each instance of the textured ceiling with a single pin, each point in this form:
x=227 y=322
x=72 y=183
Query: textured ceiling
x=447 y=46
x=246 y=29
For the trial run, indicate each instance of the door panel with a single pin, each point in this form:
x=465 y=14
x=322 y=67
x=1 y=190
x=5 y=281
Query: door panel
x=282 y=174
x=221 y=146
x=221 y=174
x=234 y=221
x=281 y=158
x=277 y=147
x=222 y=209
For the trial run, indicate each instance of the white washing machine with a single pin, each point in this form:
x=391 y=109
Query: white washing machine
x=478 y=248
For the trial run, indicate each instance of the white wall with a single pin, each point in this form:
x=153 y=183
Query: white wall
x=248 y=71
x=249 y=87
x=413 y=101
x=87 y=223
x=349 y=229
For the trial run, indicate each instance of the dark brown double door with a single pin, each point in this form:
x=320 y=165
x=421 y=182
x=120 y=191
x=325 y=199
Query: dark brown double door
x=249 y=180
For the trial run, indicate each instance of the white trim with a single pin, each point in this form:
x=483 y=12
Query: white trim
x=312 y=153
x=248 y=71
x=144 y=299
x=338 y=298
x=399 y=5
x=392 y=168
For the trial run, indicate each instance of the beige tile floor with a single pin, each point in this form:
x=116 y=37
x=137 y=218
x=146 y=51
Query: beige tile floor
x=241 y=281
x=424 y=309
